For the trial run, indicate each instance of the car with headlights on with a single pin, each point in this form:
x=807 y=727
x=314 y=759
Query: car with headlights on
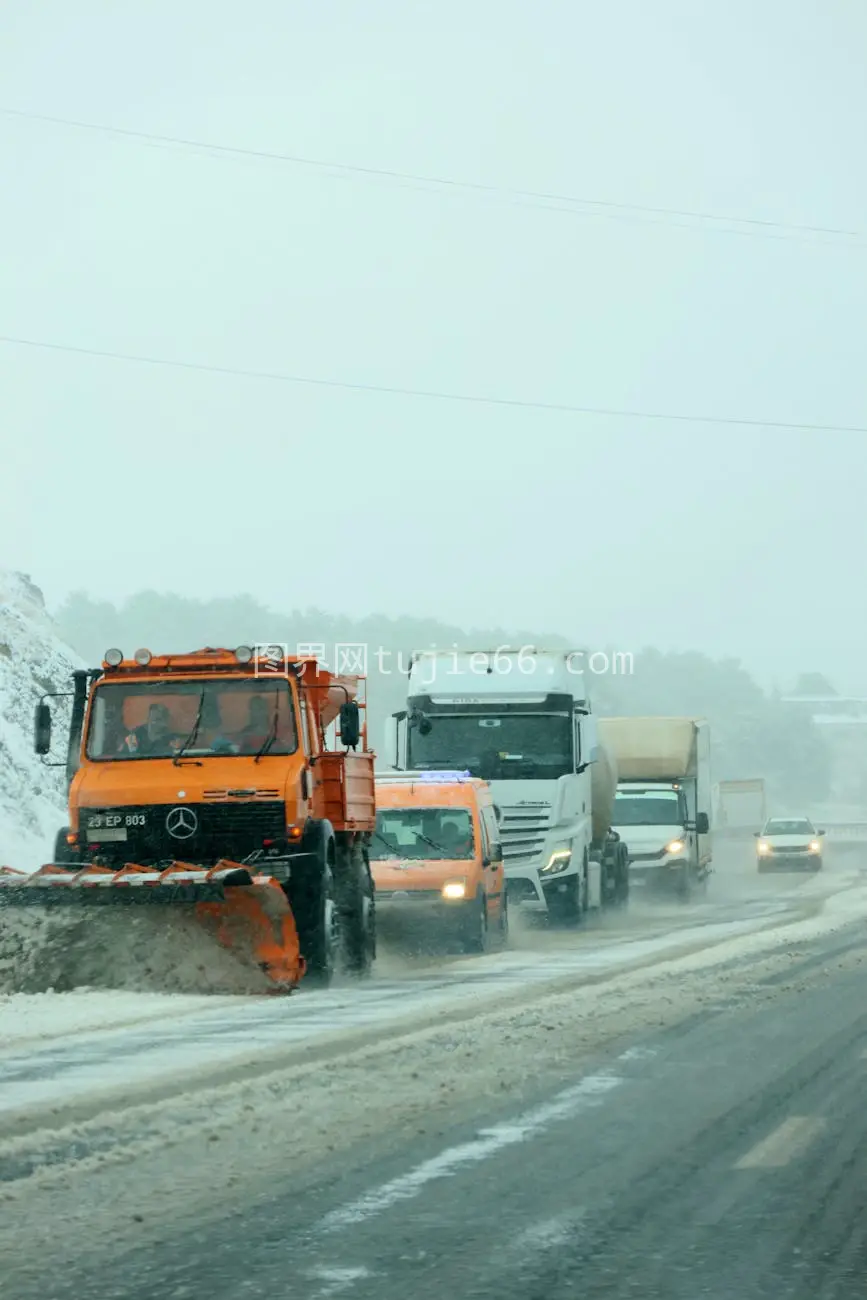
x=789 y=843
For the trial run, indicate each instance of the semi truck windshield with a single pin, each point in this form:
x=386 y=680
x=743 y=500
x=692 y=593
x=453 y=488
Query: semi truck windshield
x=502 y=747
x=206 y=718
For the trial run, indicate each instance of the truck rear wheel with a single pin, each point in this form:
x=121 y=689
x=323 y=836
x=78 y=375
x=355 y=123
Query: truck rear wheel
x=354 y=895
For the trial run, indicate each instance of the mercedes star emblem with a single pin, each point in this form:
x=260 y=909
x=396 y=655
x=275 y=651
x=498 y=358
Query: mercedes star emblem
x=182 y=823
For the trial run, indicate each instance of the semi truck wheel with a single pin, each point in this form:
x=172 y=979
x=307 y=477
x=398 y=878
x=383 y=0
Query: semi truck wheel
x=622 y=895
x=568 y=902
x=353 y=891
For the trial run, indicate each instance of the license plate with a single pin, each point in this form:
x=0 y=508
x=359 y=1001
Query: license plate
x=106 y=834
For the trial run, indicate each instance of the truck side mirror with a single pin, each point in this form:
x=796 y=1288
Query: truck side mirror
x=42 y=729
x=702 y=824
x=350 y=724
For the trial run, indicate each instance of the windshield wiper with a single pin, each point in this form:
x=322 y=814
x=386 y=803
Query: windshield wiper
x=432 y=843
x=272 y=734
x=191 y=737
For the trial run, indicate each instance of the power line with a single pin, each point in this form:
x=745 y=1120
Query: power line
x=755 y=226
x=427 y=393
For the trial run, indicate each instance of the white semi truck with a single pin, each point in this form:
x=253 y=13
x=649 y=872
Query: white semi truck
x=521 y=719
x=663 y=799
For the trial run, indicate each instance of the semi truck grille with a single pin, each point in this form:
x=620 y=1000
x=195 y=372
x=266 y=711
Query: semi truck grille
x=187 y=832
x=522 y=832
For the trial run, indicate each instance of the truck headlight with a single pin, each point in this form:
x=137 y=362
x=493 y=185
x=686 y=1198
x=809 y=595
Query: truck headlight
x=815 y=846
x=454 y=889
x=675 y=846
x=558 y=861
x=763 y=847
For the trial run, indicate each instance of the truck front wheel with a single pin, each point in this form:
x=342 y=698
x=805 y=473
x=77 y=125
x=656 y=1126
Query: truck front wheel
x=64 y=854
x=354 y=894
x=683 y=883
x=311 y=896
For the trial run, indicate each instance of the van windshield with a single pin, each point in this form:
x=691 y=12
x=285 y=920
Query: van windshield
x=656 y=809
x=209 y=717
x=437 y=833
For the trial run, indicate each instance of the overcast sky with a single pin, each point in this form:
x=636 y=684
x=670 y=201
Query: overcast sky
x=117 y=476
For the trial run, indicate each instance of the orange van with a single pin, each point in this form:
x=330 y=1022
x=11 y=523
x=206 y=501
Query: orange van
x=435 y=855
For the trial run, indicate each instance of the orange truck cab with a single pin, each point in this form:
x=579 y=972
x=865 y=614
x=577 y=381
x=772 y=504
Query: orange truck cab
x=436 y=856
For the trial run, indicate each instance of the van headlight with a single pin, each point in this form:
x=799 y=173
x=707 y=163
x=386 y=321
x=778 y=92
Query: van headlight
x=558 y=861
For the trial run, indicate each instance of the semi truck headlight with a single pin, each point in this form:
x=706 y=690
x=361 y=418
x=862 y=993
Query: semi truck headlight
x=675 y=846
x=558 y=861
x=455 y=889
x=764 y=847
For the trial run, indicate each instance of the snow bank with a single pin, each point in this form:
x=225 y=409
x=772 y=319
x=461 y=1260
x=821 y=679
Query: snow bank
x=33 y=661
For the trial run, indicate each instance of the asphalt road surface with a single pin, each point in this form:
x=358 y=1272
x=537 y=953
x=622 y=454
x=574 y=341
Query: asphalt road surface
x=719 y=1156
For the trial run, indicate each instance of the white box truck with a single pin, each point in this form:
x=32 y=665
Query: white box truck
x=662 y=809
x=521 y=719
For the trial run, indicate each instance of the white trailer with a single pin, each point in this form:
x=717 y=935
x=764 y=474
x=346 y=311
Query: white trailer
x=663 y=799
x=739 y=807
x=521 y=719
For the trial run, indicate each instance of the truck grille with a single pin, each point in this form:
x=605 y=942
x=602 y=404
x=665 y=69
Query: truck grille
x=522 y=832
x=208 y=832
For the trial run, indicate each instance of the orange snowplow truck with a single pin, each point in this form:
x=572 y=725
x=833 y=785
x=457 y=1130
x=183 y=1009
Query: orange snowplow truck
x=207 y=779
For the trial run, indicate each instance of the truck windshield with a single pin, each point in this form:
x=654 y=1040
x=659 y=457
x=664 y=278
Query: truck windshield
x=422 y=833
x=656 y=809
x=209 y=717
x=502 y=747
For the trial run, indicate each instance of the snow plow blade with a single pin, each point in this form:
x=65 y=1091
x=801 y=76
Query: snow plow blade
x=249 y=914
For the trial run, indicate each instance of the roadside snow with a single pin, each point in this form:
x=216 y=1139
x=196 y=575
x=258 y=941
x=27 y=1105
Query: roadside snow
x=26 y=1018
x=33 y=661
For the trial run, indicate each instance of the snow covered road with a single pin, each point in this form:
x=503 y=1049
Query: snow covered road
x=60 y=1049
x=119 y=1110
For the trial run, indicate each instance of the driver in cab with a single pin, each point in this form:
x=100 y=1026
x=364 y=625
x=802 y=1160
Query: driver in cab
x=154 y=738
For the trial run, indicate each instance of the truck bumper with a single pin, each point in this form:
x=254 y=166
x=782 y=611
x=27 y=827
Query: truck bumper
x=523 y=885
x=658 y=875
